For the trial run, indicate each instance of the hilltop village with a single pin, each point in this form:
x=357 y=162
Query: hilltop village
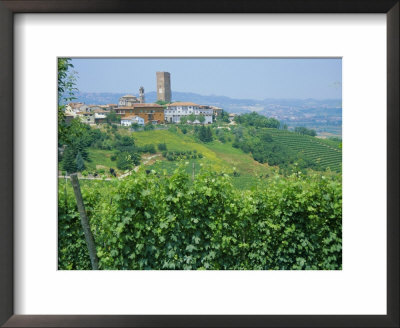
x=114 y=139
x=132 y=110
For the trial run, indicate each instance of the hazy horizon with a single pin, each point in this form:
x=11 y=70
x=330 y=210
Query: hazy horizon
x=210 y=95
x=236 y=78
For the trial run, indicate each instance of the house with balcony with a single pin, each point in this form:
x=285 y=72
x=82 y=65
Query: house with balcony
x=176 y=110
x=150 y=112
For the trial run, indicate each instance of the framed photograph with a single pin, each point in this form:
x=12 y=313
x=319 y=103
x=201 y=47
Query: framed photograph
x=199 y=165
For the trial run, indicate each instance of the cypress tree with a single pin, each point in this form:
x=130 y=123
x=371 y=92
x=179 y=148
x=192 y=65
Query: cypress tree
x=69 y=160
x=203 y=134
x=80 y=164
x=209 y=137
x=81 y=147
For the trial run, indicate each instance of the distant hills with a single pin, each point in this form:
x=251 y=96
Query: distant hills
x=323 y=115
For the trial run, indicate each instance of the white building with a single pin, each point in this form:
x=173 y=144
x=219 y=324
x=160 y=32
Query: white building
x=217 y=110
x=100 y=115
x=75 y=107
x=129 y=120
x=70 y=112
x=176 y=110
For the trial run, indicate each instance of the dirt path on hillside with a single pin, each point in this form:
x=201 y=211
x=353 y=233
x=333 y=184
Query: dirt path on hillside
x=146 y=160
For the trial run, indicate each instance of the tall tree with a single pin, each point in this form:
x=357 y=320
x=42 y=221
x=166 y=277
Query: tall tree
x=203 y=134
x=113 y=118
x=209 y=136
x=69 y=160
x=201 y=118
x=66 y=89
x=80 y=164
x=135 y=126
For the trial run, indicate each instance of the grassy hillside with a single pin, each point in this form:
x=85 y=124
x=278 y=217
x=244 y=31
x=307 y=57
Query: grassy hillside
x=99 y=159
x=219 y=156
x=177 y=142
x=224 y=155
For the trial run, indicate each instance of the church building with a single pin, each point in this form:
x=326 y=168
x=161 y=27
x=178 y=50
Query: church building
x=129 y=100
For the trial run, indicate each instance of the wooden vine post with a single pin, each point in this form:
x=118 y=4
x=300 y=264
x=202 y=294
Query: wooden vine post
x=85 y=222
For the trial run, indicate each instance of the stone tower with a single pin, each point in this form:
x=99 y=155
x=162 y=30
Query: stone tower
x=164 y=86
x=141 y=95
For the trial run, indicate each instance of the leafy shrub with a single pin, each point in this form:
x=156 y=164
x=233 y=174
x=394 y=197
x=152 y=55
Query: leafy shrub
x=257 y=120
x=124 y=161
x=178 y=155
x=148 y=149
x=146 y=221
x=148 y=127
x=162 y=147
x=305 y=131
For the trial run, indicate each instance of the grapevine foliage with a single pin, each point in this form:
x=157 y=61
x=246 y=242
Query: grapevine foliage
x=155 y=221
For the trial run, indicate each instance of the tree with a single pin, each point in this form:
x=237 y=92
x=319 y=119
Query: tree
x=80 y=164
x=257 y=120
x=183 y=120
x=201 y=118
x=305 y=131
x=135 y=126
x=149 y=148
x=224 y=117
x=66 y=89
x=191 y=117
x=162 y=146
x=203 y=133
x=69 y=160
x=209 y=136
x=113 y=118
x=135 y=158
x=149 y=127
x=81 y=145
x=265 y=136
x=124 y=161
x=125 y=143
x=162 y=103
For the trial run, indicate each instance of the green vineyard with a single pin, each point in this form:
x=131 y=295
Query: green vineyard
x=314 y=149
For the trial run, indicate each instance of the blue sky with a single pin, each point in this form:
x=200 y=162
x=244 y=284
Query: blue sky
x=252 y=78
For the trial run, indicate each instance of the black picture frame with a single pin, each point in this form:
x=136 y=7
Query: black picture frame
x=10 y=7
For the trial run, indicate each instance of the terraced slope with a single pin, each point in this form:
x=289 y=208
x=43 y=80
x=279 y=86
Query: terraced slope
x=312 y=148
